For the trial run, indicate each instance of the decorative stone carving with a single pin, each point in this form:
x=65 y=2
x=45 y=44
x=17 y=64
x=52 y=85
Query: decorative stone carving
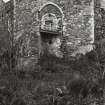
x=50 y=22
x=51 y=17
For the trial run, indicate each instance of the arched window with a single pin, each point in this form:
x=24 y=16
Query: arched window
x=51 y=28
x=51 y=17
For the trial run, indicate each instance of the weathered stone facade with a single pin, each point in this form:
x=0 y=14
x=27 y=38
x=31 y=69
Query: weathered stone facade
x=63 y=27
x=77 y=21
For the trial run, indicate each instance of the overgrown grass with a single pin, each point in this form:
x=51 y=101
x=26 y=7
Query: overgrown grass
x=55 y=82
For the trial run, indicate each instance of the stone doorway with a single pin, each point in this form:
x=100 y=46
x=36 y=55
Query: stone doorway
x=51 y=29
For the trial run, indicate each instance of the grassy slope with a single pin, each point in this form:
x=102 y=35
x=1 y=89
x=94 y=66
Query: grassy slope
x=41 y=87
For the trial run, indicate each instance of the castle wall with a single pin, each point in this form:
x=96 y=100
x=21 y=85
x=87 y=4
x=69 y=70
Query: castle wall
x=78 y=25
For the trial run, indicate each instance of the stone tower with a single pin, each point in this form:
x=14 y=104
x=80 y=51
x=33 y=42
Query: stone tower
x=43 y=26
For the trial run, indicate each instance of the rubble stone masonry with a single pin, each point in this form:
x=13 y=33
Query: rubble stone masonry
x=77 y=33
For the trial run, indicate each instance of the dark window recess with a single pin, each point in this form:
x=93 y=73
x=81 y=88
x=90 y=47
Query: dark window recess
x=47 y=37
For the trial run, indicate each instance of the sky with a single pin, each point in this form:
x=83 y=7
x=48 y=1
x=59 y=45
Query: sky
x=6 y=0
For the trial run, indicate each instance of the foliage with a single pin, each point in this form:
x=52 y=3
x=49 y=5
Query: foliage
x=58 y=82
